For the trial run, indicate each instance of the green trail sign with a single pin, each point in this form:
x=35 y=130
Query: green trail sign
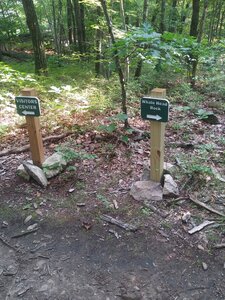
x=28 y=106
x=155 y=109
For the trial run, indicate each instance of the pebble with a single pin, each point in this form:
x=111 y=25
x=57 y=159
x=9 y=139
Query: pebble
x=32 y=227
x=5 y=224
x=205 y=266
x=28 y=218
x=35 y=205
x=200 y=247
x=186 y=217
x=10 y=271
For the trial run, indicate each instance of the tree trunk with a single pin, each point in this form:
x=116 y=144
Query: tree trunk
x=184 y=11
x=117 y=61
x=56 y=40
x=173 y=17
x=162 y=16
x=194 y=32
x=138 y=70
x=98 y=44
x=37 y=41
x=69 y=21
x=195 y=18
x=202 y=21
x=79 y=17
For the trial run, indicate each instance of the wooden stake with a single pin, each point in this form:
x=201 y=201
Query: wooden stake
x=157 y=142
x=34 y=131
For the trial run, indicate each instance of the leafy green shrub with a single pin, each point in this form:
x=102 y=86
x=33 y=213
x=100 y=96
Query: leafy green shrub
x=70 y=154
x=183 y=93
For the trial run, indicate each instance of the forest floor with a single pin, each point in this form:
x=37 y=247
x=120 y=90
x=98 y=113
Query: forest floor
x=74 y=254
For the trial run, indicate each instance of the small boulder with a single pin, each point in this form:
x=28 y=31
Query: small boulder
x=54 y=164
x=146 y=191
x=170 y=187
x=36 y=173
x=22 y=172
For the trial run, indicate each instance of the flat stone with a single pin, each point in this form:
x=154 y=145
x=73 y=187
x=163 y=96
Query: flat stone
x=53 y=165
x=146 y=191
x=170 y=187
x=28 y=218
x=5 y=224
x=36 y=173
x=21 y=172
x=10 y=271
x=32 y=227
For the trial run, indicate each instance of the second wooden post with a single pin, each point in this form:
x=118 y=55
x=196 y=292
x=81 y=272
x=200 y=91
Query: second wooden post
x=34 y=131
x=157 y=142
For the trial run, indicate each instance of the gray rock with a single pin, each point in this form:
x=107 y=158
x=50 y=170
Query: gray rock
x=10 y=270
x=170 y=187
x=32 y=227
x=204 y=266
x=53 y=165
x=22 y=172
x=5 y=224
x=146 y=191
x=36 y=173
x=28 y=218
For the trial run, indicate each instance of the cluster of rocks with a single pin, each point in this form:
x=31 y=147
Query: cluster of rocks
x=146 y=190
x=51 y=167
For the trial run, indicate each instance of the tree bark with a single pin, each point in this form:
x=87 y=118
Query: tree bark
x=37 y=41
x=98 y=44
x=173 y=17
x=117 y=61
x=79 y=17
x=194 y=32
x=162 y=16
x=138 y=70
x=202 y=21
x=194 y=18
x=69 y=21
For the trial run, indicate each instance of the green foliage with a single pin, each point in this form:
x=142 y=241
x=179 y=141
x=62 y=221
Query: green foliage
x=183 y=93
x=203 y=114
x=146 y=211
x=114 y=122
x=70 y=155
x=103 y=200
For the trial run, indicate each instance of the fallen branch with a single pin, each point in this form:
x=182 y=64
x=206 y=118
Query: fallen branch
x=219 y=246
x=158 y=211
x=206 y=207
x=27 y=147
x=8 y=245
x=119 y=223
x=200 y=227
x=24 y=233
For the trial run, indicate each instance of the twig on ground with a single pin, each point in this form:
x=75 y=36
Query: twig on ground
x=206 y=206
x=119 y=223
x=158 y=211
x=24 y=233
x=200 y=227
x=8 y=245
x=219 y=246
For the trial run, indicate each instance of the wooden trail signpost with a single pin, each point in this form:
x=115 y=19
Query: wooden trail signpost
x=28 y=105
x=156 y=109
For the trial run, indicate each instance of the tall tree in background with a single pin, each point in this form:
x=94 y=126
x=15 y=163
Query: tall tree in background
x=144 y=19
x=80 y=25
x=194 y=33
x=162 y=16
x=37 y=41
x=117 y=61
